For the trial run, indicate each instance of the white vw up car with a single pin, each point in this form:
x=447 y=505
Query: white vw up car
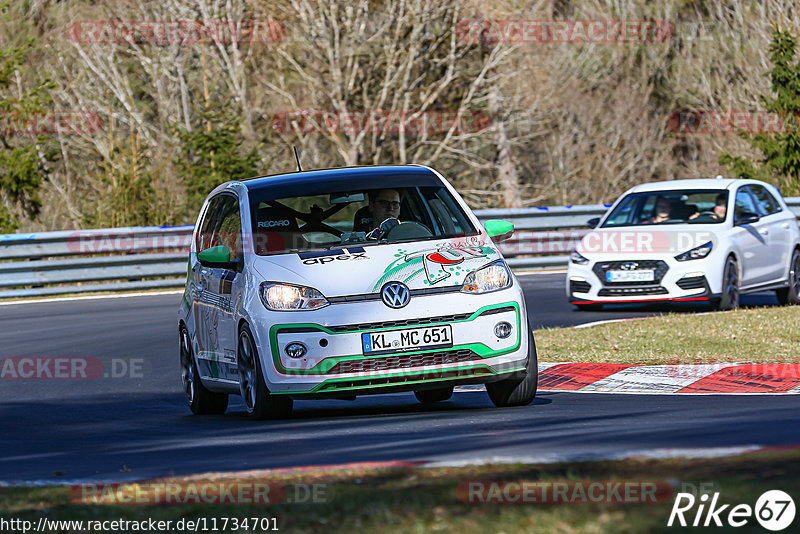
x=345 y=282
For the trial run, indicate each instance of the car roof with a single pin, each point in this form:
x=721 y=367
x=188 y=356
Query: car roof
x=344 y=179
x=693 y=183
x=331 y=176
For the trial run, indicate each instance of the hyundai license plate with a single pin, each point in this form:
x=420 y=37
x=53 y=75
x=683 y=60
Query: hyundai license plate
x=429 y=337
x=645 y=275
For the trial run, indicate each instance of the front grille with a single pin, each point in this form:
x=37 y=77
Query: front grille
x=400 y=323
x=695 y=282
x=629 y=291
x=659 y=268
x=377 y=296
x=579 y=287
x=403 y=379
x=403 y=362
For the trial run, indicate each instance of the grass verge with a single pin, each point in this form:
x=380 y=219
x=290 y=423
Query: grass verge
x=758 y=335
x=425 y=500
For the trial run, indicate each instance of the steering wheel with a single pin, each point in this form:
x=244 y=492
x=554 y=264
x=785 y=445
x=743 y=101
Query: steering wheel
x=408 y=230
x=382 y=231
x=705 y=215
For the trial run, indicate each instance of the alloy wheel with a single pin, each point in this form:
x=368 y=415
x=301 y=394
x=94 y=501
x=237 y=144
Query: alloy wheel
x=187 y=368
x=732 y=284
x=247 y=371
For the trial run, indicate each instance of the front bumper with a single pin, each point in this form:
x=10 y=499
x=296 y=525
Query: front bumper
x=335 y=364
x=691 y=281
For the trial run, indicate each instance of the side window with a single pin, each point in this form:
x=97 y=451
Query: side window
x=206 y=232
x=229 y=232
x=767 y=205
x=744 y=203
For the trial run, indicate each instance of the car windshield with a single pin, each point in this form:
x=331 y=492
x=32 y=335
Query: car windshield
x=691 y=206
x=341 y=218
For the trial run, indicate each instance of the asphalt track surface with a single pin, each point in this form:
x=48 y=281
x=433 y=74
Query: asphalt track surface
x=137 y=426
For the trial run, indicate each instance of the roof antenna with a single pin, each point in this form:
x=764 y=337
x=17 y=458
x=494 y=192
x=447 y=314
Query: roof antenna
x=297 y=158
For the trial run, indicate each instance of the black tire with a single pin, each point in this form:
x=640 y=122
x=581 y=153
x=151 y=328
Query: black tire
x=589 y=307
x=428 y=396
x=517 y=390
x=729 y=300
x=258 y=401
x=200 y=400
x=791 y=295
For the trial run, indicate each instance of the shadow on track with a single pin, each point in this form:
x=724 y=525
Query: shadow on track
x=144 y=435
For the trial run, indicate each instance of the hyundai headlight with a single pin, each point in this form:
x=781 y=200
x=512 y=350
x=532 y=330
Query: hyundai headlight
x=288 y=297
x=493 y=277
x=576 y=258
x=696 y=253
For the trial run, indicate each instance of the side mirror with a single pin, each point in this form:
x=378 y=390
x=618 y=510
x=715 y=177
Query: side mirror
x=592 y=223
x=219 y=256
x=499 y=230
x=746 y=217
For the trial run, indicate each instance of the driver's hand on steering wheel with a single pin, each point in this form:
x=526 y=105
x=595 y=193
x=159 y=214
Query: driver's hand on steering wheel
x=383 y=228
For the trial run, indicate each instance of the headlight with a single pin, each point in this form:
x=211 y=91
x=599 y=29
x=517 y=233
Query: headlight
x=287 y=297
x=493 y=277
x=696 y=253
x=575 y=257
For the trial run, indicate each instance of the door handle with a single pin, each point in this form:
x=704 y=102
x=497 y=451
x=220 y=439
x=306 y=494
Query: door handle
x=763 y=232
x=785 y=225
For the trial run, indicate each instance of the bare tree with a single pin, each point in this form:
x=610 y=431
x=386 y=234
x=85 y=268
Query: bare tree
x=357 y=81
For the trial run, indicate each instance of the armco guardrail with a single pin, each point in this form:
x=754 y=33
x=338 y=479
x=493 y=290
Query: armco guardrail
x=121 y=259
x=81 y=261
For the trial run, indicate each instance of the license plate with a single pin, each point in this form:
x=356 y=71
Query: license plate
x=645 y=275
x=429 y=337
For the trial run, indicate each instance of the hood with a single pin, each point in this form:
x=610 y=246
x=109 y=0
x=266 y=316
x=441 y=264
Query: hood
x=646 y=241
x=355 y=270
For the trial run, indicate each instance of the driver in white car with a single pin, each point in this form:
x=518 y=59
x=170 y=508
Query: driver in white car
x=384 y=205
x=719 y=211
x=720 y=207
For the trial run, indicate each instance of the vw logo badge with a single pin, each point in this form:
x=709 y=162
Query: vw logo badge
x=629 y=266
x=395 y=294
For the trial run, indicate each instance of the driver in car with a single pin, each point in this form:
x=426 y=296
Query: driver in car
x=719 y=211
x=384 y=205
x=720 y=207
x=663 y=211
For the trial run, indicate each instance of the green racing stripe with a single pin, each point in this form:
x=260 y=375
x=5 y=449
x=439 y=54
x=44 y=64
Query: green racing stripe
x=325 y=365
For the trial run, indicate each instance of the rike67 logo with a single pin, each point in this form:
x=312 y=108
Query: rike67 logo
x=774 y=510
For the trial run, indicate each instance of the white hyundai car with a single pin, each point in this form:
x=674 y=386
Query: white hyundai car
x=706 y=240
x=345 y=282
